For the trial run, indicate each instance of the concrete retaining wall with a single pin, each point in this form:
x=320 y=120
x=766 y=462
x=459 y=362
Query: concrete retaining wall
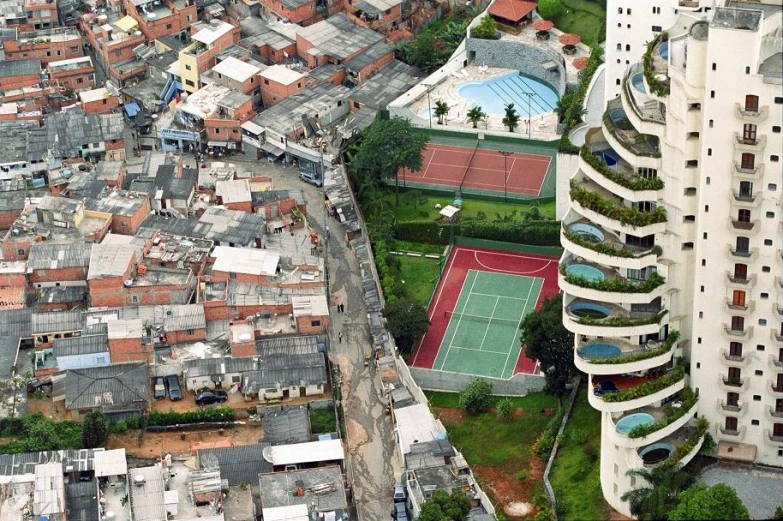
x=518 y=385
x=517 y=55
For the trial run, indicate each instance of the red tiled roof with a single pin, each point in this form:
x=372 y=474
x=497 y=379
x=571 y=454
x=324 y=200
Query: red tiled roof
x=512 y=10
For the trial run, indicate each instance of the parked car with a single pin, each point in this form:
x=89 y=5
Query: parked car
x=400 y=496
x=160 y=389
x=210 y=397
x=400 y=512
x=172 y=382
x=311 y=178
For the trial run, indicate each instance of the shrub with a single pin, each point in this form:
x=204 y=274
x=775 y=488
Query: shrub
x=632 y=182
x=550 y=9
x=119 y=427
x=657 y=87
x=648 y=388
x=614 y=285
x=578 y=436
x=221 y=414
x=539 y=233
x=622 y=321
x=614 y=209
x=665 y=346
x=672 y=414
x=522 y=476
x=486 y=29
x=546 y=440
x=608 y=248
x=505 y=409
x=591 y=449
x=476 y=397
x=683 y=450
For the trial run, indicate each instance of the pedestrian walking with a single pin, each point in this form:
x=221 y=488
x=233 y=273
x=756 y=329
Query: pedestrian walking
x=340 y=337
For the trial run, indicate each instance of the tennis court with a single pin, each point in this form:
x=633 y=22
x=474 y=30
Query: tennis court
x=482 y=336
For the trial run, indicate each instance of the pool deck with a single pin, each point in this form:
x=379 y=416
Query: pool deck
x=615 y=311
x=544 y=125
x=528 y=36
x=625 y=346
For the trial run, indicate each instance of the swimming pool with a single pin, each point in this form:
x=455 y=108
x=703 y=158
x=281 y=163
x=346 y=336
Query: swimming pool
x=588 y=310
x=637 y=80
x=589 y=273
x=627 y=423
x=424 y=113
x=663 y=50
x=599 y=351
x=656 y=453
x=609 y=156
x=587 y=232
x=493 y=95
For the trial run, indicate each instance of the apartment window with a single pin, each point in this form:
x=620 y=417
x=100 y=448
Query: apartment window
x=692 y=163
x=747 y=70
x=687 y=246
x=619 y=26
x=619 y=47
x=772 y=187
x=135 y=299
x=709 y=152
x=714 y=66
x=628 y=26
x=168 y=26
x=746 y=189
x=232 y=275
x=762 y=321
x=628 y=11
x=741 y=271
x=738 y=299
x=749 y=133
x=619 y=10
x=315 y=323
x=266 y=82
x=732 y=399
x=627 y=47
x=707 y=207
x=712 y=94
x=774 y=158
x=748 y=161
x=766 y=269
x=738 y=323
x=763 y=296
x=770 y=215
x=20 y=252
x=743 y=245
x=189 y=331
x=704 y=262
x=689 y=219
x=731 y=424
x=711 y=123
x=617 y=81
x=735 y=349
x=754 y=422
x=707 y=180
x=743 y=215
x=776 y=129
x=189 y=83
x=188 y=68
x=778 y=100
x=752 y=103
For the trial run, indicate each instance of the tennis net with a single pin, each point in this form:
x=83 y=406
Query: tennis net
x=479 y=318
x=467 y=167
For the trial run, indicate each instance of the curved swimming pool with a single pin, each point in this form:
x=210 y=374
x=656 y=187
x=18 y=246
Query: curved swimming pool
x=493 y=95
x=656 y=453
x=599 y=351
x=637 y=80
x=588 y=310
x=663 y=50
x=587 y=232
x=584 y=271
x=609 y=156
x=626 y=424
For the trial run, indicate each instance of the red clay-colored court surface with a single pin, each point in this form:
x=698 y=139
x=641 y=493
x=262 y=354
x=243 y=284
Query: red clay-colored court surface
x=464 y=265
x=481 y=169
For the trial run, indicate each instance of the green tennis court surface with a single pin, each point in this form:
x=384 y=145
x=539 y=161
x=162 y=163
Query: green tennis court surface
x=482 y=337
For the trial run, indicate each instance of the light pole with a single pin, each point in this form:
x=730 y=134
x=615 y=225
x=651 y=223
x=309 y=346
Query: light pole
x=529 y=95
x=505 y=155
x=429 y=107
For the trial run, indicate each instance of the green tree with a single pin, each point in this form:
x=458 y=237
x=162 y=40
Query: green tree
x=778 y=515
x=475 y=115
x=658 y=492
x=486 y=29
x=505 y=409
x=40 y=433
x=445 y=507
x=407 y=322
x=550 y=9
x=476 y=397
x=95 y=430
x=701 y=502
x=548 y=341
x=388 y=145
x=511 y=119
x=441 y=110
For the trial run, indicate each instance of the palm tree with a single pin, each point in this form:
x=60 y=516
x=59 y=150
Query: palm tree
x=511 y=119
x=475 y=115
x=441 y=109
x=658 y=495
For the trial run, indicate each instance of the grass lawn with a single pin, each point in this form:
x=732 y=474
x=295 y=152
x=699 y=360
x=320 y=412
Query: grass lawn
x=575 y=473
x=534 y=402
x=409 y=210
x=322 y=421
x=581 y=17
x=420 y=275
x=418 y=247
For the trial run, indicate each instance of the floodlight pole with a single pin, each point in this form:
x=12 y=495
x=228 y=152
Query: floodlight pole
x=429 y=107
x=529 y=117
x=505 y=155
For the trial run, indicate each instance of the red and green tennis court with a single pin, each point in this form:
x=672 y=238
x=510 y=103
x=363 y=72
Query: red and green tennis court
x=477 y=308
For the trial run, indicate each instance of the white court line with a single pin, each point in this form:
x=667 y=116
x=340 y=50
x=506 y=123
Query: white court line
x=478 y=350
x=499 y=296
x=524 y=314
x=459 y=320
x=522 y=273
x=500 y=254
x=426 y=169
x=442 y=283
x=497 y=299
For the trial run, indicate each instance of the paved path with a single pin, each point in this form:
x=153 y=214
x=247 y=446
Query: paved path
x=761 y=491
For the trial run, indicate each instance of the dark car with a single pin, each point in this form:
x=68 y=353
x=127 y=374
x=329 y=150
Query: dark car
x=210 y=397
x=159 y=391
x=172 y=382
x=400 y=496
x=400 y=512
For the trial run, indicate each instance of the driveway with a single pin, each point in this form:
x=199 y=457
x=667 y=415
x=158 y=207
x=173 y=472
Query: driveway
x=760 y=490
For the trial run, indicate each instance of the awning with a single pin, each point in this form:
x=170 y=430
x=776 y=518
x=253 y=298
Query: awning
x=217 y=143
x=126 y=24
x=252 y=128
x=272 y=149
x=131 y=109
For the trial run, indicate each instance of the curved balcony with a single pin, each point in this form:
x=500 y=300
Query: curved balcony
x=599 y=162
x=737 y=360
x=733 y=385
x=584 y=239
x=602 y=207
x=742 y=255
x=615 y=355
x=744 y=227
x=596 y=318
x=745 y=200
x=771 y=438
x=594 y=282
x=644 y=111
x=746 y=282
x=634 y=392
x=775 y=413
x=750 y=115
x=666 y=421
x=725 y=434
x=776 y=360
x=735 y=309
x=640 y=150
x=777 y=336
x=682 y=445
x=737 y=334
x=732 y=410
x=750 y=174
x=774 y=389
x=744 y=144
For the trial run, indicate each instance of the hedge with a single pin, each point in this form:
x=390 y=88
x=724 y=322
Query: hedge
x=683 y=450
x=546 y=440
x=573 y=113
x=385 y=274
x=614 y=208
x=622 y=321
x=613 y=285
x=657 y=87
x=221 y=414
x=671 y=415
x=629 y=181
x=537 y=233
x=647 y=388
x=607 y=248
x=610 y=126
x=643 y=355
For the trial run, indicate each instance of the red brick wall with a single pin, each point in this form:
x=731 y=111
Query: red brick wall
x=304 y=325
x=58 y=275
x=12 y=248
x=101 y=106
x=61 y=50
x=13 y=279
x=129 y=224
x=215 y=310
x=17 y=82
x=56 y=306
x=245 y=206
x=182 y=337
x=7 y=218
x=244 y=349
x=129 y=350
x=106 y=292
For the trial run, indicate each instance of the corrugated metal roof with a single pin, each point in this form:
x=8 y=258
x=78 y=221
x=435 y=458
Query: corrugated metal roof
x=71 y=460
x=240 y=464
x=17 y=322
x=81 y=345
x=110 y=463
x=290 y=345
x=291 y=425
x=57 y=322
x=113 y=386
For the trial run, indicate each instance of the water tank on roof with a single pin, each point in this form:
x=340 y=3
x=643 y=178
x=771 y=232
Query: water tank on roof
x=109 y=514
x=138 y=480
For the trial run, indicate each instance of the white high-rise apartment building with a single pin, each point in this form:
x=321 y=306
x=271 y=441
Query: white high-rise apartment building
x=630 y=24
x=673 y=269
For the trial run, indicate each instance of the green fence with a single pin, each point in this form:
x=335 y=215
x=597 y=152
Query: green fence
x=550 y=251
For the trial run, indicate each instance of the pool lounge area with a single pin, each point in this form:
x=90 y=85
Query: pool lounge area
x=590 y=232
x=590 y=309
x=623 y=130
x=591 y=348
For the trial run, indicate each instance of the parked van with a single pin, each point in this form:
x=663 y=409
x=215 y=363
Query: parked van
x=311 y=178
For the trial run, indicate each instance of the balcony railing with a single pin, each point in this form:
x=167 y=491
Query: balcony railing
x=610 y=209
x=775 y=413
x=734 y=358
x=737 y=332
x=776 y=361
x=744 y=197
x=737 y=407
x=744 y=142
x=755 y=114
x=775 y=439
x=689 y=3
x=777 y=389
x=746 y=170
x=733 y=382
x=741 y=281
x=743 y=225
x=744 y=254
x=729 y=432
